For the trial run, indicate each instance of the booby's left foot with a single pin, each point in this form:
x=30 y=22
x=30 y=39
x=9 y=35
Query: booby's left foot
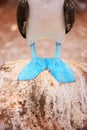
x=59 y=69
x=34 y=68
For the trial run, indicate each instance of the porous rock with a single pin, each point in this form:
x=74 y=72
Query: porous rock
x=43 y=103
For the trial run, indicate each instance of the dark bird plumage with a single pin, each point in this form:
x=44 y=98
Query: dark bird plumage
x=46 y=19
x=69 y=14
x=23 y=15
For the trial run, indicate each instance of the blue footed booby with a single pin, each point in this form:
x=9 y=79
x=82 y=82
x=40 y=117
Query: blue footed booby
x=51 y=19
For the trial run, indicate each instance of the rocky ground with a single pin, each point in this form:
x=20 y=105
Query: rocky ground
x=14 y=47
x=42 y=103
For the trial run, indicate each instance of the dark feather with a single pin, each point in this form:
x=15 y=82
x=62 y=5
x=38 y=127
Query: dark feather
x=22 y=16
x=69 y=14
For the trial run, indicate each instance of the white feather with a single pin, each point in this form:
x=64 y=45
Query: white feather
x=46 y=20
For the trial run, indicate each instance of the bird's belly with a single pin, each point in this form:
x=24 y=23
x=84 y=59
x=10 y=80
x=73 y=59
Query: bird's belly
x=47 y=23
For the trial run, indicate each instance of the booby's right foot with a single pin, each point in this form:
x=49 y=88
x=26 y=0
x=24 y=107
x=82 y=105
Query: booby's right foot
x=33 y=69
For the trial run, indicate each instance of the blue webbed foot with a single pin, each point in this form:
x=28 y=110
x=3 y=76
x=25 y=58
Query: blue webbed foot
x=34 y=68
x=59 y=69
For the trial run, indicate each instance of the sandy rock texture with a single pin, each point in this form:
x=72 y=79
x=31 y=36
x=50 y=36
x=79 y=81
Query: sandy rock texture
x=43 y=103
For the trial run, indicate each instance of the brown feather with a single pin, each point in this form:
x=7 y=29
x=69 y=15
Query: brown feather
x=22 y=16
x=69 y=14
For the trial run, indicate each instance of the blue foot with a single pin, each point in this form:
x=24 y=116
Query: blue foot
x=59 y=69
x=34 y=68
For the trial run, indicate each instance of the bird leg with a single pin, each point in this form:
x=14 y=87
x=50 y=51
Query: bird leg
x=59 y=69
x=34 y=67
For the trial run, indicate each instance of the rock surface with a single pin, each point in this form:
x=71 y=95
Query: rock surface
x=43 y=103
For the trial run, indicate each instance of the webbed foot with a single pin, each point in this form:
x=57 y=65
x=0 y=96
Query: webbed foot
x=59 y=69
x=34 y=68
